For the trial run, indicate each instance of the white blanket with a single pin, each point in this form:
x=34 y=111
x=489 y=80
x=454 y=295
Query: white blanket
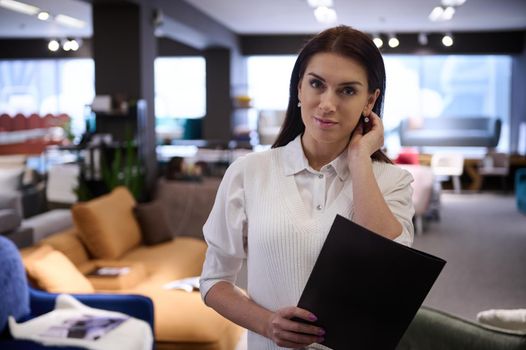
x=132 y=334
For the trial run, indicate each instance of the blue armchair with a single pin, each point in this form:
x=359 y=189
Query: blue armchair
x=23 y=302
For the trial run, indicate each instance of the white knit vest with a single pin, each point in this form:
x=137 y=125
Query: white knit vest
x=284 y=241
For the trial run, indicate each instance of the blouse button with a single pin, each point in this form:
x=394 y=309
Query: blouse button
x=320 y=176
x=318 y=207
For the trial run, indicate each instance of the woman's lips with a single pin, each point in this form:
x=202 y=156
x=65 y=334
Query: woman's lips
x=324 y=123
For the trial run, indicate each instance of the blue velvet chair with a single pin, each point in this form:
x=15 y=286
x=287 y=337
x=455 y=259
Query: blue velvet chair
x=520 y=189
x=23 y=302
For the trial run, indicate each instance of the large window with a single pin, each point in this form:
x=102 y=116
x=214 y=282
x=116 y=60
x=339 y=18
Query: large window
x=180 y=94
x=417 y=86
x=48 y=86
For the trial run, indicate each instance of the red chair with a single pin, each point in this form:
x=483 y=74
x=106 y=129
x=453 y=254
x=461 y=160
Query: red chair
x=5 y=122
x=19 y=122
x=34 y=121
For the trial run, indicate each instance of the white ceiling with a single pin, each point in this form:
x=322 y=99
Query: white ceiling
x=294 y=16
x=17 y=25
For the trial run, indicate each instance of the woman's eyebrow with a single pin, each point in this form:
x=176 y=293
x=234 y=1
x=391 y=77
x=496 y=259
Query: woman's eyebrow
x=344 y=83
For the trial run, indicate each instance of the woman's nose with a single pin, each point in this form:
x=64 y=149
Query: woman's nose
x=327 y=102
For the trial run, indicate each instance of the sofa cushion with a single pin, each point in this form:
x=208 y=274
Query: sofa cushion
x=11 y=179
x=54 y=272
x=153 y=222
x=9 y=220
x=68 y=243
x=187 y=204
x=107 y=225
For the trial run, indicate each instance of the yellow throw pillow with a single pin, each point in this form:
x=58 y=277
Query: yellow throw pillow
x=107 y=224
x=54 y=272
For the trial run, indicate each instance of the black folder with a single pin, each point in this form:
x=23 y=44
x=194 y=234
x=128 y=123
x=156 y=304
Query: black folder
x=365 y=289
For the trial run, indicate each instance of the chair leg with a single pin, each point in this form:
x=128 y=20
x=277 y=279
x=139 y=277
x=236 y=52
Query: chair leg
x=419 y=225
x=456 y=184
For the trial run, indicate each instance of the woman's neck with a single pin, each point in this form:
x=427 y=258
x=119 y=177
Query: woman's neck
x=320 y=154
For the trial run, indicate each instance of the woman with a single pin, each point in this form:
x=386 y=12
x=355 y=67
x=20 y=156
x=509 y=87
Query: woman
x=275 y=208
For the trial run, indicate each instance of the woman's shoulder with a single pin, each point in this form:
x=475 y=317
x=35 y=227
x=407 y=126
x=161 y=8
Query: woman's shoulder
x=391 y=173
x=254 y=160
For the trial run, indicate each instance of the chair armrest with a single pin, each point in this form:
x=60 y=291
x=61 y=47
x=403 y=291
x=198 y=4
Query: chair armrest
x=137 y=306
x=436 y=330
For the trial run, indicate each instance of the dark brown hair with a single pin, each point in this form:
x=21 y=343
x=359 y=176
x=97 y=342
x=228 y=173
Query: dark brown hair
x=347 y=42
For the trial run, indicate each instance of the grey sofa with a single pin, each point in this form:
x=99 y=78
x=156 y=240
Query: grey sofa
x=435 y=330
x=11 y=220
x=455 y=132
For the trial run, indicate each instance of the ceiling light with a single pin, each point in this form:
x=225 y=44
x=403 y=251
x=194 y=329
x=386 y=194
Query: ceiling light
x=393 y=41
x=422 y=39
x=66 y=45
x=448 y=13
x=74 y=45
x=43 y=15
x=70 y=21
x=441 y=13
x=325 y=15
x=320 y=3
x=453 y=2
x=447 y=40
x=53 y=45
x=436 y=13
x=378 y=41
x=19 y=7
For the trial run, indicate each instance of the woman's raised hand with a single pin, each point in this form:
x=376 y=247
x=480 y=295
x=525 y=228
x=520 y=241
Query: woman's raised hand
x=292 y=334
x=372 y=141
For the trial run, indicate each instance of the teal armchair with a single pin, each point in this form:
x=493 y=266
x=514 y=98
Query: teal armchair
x=436 y=330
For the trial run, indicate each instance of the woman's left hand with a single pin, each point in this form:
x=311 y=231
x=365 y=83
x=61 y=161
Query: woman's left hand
x=372 y=141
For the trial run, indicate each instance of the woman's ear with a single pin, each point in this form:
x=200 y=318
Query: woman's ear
x=371 y=100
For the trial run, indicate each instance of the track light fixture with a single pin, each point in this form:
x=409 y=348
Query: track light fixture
x=53 y=45
x=378 y=41
x=447 y=40
x=393 y=41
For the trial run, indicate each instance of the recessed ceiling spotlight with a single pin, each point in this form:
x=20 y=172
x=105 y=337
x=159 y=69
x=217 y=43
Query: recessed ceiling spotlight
x=453 y=2
x=53 y=45
x=43 y=15
x=320 y=3
x=441 y=13
x=393 y=41
x=447 y=40
x=325 y=15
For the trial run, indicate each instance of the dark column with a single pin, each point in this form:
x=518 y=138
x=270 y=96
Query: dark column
x=217 y=123
x=124 y=50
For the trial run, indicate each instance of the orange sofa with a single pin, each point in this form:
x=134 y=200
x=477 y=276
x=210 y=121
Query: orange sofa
x=107 y=234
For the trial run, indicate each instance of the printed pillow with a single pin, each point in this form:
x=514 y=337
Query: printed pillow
x=512 y=319
x=107 y=225
x=52 y=271
x=153 y=222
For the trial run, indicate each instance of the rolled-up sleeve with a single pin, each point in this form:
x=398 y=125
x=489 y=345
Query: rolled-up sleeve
x=225 y=231
x=399 y=199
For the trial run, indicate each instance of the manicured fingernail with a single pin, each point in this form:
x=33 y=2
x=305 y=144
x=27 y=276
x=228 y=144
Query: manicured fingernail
x=312 y=317
x=321 y=332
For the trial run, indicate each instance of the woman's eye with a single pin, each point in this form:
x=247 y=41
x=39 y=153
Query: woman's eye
x=348 y=91
x=315 y=83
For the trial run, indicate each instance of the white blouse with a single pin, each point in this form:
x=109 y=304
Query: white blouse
x=275 y=211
